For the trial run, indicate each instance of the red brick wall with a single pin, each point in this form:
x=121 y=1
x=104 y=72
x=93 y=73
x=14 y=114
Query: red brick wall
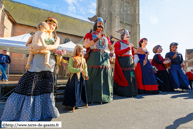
x=22 y=29
x=8 y=27
x=18 y=62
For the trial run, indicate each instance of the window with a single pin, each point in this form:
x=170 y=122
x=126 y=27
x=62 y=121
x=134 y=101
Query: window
x=66 y=40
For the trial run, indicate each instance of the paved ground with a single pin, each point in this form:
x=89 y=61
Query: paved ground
x=164 y=111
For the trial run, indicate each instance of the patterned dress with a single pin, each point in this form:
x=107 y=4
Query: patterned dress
x=33 y=98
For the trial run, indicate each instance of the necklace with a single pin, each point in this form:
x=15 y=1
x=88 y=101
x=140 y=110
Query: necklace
x=144 y=49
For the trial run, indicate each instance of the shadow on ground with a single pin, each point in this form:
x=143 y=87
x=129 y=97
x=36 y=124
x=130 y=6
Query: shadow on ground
x=186 y=95
x=180 y=121
x=177 y=93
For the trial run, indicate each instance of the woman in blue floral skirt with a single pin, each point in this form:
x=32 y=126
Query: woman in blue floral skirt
x=33 y=98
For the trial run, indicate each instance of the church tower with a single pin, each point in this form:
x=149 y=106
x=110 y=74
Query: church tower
x=120 y=14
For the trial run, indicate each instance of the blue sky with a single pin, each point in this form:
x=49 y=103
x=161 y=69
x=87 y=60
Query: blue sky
x=75 y=8
x=161 y=21
x=166 y=21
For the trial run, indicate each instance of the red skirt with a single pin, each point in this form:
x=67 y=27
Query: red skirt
x=144 y=86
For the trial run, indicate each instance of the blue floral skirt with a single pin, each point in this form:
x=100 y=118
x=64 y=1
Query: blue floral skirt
x=32 y=99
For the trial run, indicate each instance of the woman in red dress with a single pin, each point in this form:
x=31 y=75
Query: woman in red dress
x=146 y=80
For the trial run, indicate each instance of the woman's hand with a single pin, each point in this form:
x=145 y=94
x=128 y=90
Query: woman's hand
x=175 y=56
x=55 y=46
x=135 y=65
x=130 y=45
x=29 y=47
x=100 y=35
x=111 y=55
x=182 y=65
x=81 y=70
x=86 y=78
x=166 y=58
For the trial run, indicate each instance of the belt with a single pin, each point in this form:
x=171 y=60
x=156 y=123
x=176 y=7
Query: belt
x=125 y=55
x=99 y=50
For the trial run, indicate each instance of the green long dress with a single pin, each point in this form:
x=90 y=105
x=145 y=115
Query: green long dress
x=100 y=84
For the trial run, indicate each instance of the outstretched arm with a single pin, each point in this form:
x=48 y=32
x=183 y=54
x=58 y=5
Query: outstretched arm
x=42 y=37
x=117 y=49
x=89 y=42
x=110 y=48
x=157 y=60
x=71 y=68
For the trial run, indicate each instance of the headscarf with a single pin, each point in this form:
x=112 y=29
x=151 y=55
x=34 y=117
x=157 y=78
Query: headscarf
x=52 y=19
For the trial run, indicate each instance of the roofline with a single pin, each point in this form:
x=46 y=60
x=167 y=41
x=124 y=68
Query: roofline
x=10 y=16
x=49 y=11
x=56 y=30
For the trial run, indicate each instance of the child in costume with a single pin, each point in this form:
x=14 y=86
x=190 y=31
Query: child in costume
x=39 y=44
x=178 y=77
x=75 y=92
x=162 y=74
x=145 y=77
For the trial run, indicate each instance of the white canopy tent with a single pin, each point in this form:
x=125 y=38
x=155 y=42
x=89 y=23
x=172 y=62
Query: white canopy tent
x=69 y=47
x=16 y=44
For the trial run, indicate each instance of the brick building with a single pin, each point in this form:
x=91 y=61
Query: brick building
x=18 y=19
x=188 y=59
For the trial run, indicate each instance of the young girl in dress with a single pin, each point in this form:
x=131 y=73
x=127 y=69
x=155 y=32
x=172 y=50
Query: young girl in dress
x=75 y=91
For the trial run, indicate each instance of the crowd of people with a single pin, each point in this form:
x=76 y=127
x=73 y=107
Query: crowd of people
x=91 y=79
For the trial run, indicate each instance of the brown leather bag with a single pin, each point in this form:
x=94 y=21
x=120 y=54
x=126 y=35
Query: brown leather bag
x=87 y=55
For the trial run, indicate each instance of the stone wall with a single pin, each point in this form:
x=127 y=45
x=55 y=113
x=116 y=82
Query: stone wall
x=120 y=14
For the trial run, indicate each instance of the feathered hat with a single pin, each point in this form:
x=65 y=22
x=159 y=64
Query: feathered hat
x=96 y=19
x=123 y=31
